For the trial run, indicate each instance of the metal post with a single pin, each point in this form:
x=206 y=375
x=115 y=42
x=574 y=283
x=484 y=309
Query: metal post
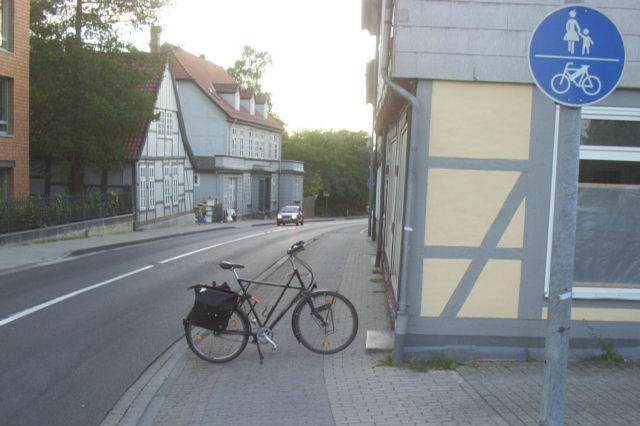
x=370 y=186
x=561 y=282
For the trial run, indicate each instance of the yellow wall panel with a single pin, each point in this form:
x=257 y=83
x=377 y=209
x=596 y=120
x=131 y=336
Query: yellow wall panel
x=496 y=292
x=513 y=236
x=462 y=204
x=440 y=278
x=601 y=314
x=480 y=120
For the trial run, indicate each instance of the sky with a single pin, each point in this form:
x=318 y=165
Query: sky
x=319 y=53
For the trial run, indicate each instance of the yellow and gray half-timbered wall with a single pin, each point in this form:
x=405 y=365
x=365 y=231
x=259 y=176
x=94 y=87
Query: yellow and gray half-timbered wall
x=478 y=267
x=483 y=142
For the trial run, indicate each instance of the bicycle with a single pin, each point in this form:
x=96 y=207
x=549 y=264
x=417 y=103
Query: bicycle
x=323 y=321
x=590 y=84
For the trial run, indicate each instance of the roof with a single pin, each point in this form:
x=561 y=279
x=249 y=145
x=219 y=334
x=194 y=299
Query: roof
x=246 y=93
x=133 y=143
x=204 y=73
x=226 y=87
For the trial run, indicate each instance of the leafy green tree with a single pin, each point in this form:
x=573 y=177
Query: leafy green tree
x=85 y=104
x=85 y=96
x=91 y=21
x=249 y=70
x=335 y=162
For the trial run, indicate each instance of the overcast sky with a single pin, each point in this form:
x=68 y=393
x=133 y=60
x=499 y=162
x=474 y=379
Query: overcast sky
x=319 y=52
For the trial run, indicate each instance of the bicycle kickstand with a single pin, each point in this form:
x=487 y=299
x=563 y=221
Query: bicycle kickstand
x=255 y=339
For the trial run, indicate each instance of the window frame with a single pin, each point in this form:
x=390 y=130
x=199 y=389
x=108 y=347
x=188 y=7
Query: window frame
x=5 y=23
x=169 y=124
x=5 y=117
x=161 y=129
x=151 y=187
x=142 y=185
x=598 y=153
x=174 y=185
x=166 y=179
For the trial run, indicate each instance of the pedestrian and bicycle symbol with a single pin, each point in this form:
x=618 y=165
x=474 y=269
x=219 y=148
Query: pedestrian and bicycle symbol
x=576 y=55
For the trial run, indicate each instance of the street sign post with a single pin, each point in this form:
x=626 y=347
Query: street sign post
x=576 y=55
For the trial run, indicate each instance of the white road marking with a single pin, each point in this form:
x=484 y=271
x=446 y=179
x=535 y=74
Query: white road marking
x=67 y=296
x=52 y=302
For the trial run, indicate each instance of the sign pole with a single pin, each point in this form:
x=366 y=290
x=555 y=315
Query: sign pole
x=576 y=57
x=562 y=260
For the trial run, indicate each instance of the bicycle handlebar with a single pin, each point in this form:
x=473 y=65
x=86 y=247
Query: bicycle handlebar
x=296 y=247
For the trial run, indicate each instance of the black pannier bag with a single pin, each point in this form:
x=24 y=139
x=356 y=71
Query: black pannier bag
x=213 y=307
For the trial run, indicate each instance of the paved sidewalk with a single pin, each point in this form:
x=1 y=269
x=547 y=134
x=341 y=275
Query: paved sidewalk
x=296 y=387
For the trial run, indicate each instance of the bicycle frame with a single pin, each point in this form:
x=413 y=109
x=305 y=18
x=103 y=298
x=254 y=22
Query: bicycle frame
x=303 y=289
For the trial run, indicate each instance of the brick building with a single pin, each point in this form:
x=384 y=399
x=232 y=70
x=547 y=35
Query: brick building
x=14 y=98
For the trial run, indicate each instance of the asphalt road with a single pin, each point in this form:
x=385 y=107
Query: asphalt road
x=108 y=315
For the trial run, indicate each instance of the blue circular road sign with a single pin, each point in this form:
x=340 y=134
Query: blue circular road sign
x=576 y=55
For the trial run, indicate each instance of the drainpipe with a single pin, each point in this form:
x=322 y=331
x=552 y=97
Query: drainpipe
x=402 y=314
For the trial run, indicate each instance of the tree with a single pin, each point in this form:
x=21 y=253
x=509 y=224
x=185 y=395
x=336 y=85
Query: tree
x=85 y=104
x=249 y=70
x=91 y=21
x=335 y=162
x=85 y=95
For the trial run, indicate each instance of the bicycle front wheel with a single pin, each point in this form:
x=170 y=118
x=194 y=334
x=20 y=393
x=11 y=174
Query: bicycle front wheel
x=325 y=322
x=220 y=346
x=591 y=85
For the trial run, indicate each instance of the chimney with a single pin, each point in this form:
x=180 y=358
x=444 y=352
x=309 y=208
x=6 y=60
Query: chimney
x=154 y=44
x=202 y=56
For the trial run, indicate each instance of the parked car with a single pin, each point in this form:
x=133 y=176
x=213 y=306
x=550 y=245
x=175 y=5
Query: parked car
x=290 y=214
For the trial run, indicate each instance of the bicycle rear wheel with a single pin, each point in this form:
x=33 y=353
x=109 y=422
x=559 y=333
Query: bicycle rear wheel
x=325 y=322
x=223 y=346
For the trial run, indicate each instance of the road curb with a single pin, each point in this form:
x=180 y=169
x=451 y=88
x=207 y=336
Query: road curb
x=87 y=250
x=137 y=402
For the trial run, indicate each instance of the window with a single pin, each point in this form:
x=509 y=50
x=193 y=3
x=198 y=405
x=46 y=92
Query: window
x=169 y=127
x=4 y=184
x=167 y=185
x=4 y=105
x=608 y=201
x=151 y=183
x=143 y=188
x=161 y=123
x=233 y=150
x=174 y=181
x=261 y=145
x=4 y=24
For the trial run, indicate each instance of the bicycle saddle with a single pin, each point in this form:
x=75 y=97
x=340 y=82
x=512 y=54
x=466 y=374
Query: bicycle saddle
x=229 y=265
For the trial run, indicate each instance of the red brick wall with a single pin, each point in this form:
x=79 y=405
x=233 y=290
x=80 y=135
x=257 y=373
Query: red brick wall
x=15 y=65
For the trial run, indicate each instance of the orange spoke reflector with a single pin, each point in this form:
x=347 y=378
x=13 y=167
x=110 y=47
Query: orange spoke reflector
x=325 y=344
x=199 y=336
x=255 y=299
x=233 y=323
x=329 y=302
